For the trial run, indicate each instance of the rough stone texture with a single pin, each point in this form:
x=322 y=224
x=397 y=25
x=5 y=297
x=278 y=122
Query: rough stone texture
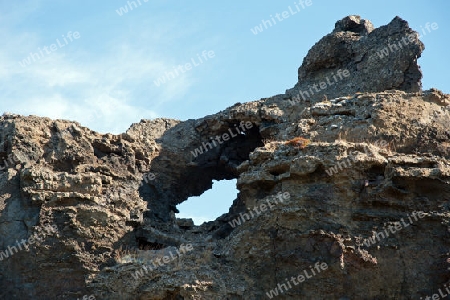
x=92 y=187
x=355 y=46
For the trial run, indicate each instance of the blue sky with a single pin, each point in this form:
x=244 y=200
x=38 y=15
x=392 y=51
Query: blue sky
x=105 y=79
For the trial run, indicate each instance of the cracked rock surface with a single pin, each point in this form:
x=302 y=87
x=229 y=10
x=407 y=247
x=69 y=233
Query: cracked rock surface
x=378 y=155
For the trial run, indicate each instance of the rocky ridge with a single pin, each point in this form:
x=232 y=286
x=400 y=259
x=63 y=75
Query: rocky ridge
x=345 y=187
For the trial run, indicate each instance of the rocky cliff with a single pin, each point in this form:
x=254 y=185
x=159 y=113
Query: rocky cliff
x=344 y=190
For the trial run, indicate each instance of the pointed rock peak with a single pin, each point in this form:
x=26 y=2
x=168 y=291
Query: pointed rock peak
x=354 y=24
x=398 y=22
x=355 y=57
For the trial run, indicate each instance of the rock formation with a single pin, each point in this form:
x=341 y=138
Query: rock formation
x=345 y=189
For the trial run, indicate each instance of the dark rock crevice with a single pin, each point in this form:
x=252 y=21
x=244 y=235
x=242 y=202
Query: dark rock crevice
x=181 y=174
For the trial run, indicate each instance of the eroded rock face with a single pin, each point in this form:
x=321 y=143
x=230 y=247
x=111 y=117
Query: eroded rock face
x=376 y=160
x=378 y=59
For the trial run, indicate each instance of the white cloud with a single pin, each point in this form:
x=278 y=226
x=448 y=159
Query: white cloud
x=105 y=86
x=104 y=114
x=97 y=94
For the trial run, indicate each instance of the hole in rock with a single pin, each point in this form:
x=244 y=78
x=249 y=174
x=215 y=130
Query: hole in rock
x=211 y=204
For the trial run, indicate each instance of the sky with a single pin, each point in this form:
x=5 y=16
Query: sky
x=107 y=64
